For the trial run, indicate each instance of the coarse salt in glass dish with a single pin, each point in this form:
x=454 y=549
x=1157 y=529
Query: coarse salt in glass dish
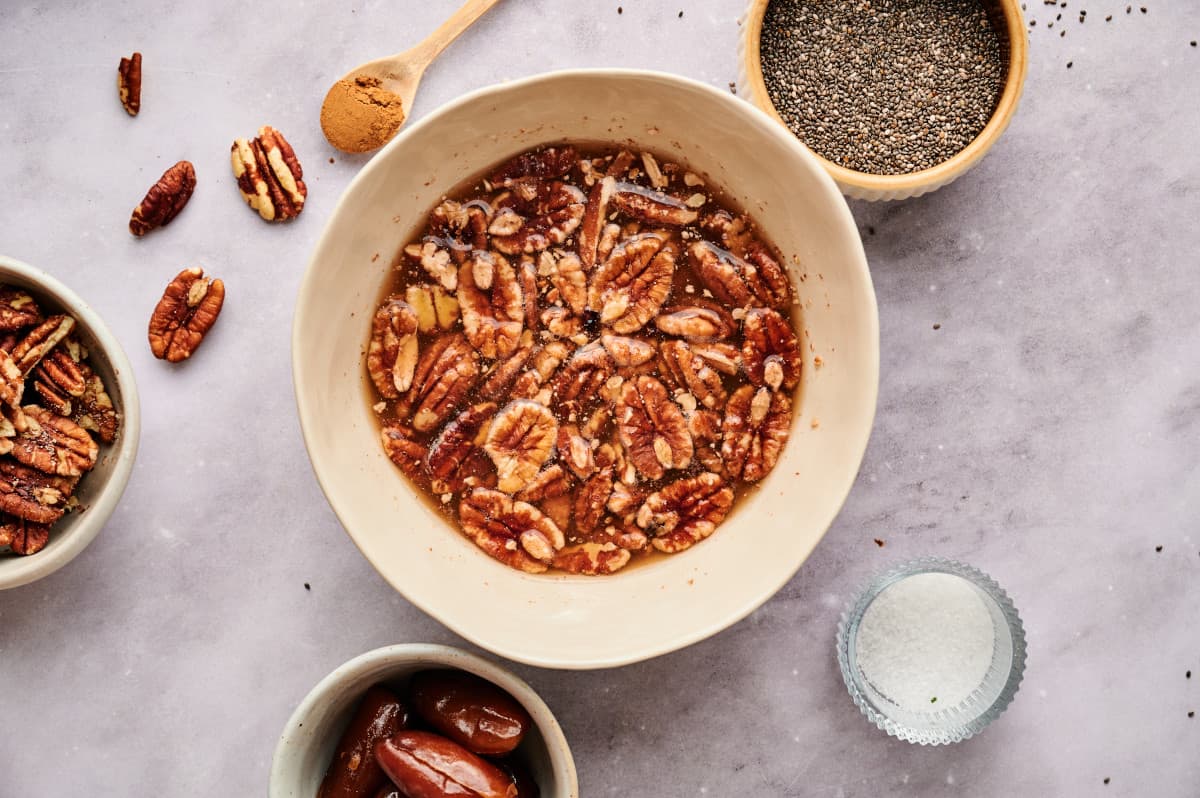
x=932 y=651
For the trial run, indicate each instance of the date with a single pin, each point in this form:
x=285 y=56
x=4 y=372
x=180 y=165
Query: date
x=424 y=765
x=354 y=773
x=470 y=711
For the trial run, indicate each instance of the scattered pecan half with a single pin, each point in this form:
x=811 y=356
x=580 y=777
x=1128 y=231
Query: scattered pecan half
x=685 y=512
x=770 y=351
x=187 y=311
x=446 y=372
x=652 y=428
x=129 y=83
x=514 y=532
x=269 y=175
x=392 y=353
x=164 y=200
x=757 y=424
x=17 y=309
x=592 y=559
x=23 y=537
x=31 y=494
x=30 y=350
x=632 y=285
x=520 y=439
x=492 y=304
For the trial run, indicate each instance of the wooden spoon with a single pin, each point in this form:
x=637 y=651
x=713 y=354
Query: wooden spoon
x=367 y=105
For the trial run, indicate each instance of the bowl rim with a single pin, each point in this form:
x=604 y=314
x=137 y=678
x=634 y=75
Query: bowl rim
x=24 y=570
x=832 y=194
x=430 y=655
x=912 y=183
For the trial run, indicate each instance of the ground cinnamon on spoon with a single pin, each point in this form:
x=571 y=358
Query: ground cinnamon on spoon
x=360 y=115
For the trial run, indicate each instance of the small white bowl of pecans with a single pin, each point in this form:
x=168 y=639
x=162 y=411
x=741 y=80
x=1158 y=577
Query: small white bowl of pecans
x=69 y=424
x=586 y=363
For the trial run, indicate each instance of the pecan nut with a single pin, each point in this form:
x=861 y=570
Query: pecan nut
x=652 y=428
x=548 y=162
x=575 y=451
x=692 y=373
x=455 y=459
x=652 y=207
x=739 y=282
x=392 y=353
x=504 y=373
x=564 y=272
x=592 y=499
x=268 y=175
x=30 y=350
x=461 y=227
x=757 y=424
x=700 y=322
x=520 y=439
x=187 y=311
x=550 y=483
x=628 y=352
x=514 y=532
x=94 y=411
x=592 y=228
x=436 y=262
x=685 y=512
x=632 y=285
x=23 y=537
x=580 y=380
x=770 y=351
x=54 y=444
x=58 y=379
x=592 y=559
x=17 y=309
x=446 y=372
x=31 y=494
x=435 y=308
x=492 y=304
x=402 y=448
x=551 y=209
x=164 y=200
x=129 y=83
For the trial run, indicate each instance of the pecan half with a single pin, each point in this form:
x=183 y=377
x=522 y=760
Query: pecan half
x=446 y=372
x=527 y=279
x=561 y=323
x=632 y=285
x=400 y=446
x=552 y=210
x=492 y=304
x=187 y=311
x=30 y=350
x=591 y=500
x=628 y=352
x=17 y=309
x=770 y=351
x=164 y=200
x=269 y=175
x=455 y=459
x=94 y=410
x=652 y=428
x=436 y=262
x=653 y=207
x=550 y=483
x=757 y=425
x=129 y=83
x=575 y=451
x=519 y=441
x=685 y=512
x=592 y=559
x=734 y=232
x=579 y=381
x=31 y=494
x=514 y=532
x=725 y=358
x=542 y=366
x=504 y=373
x=591 y=229
x=435 y=308
x=392 y=353
x=699 y=322
x=460 y=227
x=739 y=282
x=692 y=373
x=548 y=162
x=564 y=272
x=54 y=444
x=58 y=379
x=23 y=537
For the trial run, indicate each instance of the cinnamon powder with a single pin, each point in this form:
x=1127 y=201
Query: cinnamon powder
x=360 y=115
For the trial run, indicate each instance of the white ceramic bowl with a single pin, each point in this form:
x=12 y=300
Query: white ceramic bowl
x=307 y=743
x=557 y=620
x=101 y=488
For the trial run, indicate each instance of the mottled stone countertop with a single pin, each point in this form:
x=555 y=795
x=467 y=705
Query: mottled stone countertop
x=1039 y=417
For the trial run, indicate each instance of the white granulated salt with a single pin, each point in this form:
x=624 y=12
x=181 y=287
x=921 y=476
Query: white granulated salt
x=926 y=642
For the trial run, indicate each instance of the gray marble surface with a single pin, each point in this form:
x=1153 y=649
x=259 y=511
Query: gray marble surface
x=1048 y=431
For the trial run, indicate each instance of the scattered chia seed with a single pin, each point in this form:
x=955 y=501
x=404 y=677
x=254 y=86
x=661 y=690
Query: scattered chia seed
x=1188 y=675
x=307 y=586
x=1158 y=548
x=1106 y=779
x=883 y=87
x=1069 y=63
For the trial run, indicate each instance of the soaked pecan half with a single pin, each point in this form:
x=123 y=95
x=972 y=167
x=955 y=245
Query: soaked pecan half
x=699 y=322
x=592 y=228
x=436 y=309
x=685 y=512
x=756 y=427
x=492 y=303
x=692 y=373
x=770 y=351
x=400 y=446
x=31 y=494
x=54 y=444
x=574 y=451
x=632 y=285
x=519 y=441
x=514 y=532
x=551 y=211
x=455 y=458
x=504 y=373
x=739 y=282
x=446 y=372
x=652 y=207
x=564 y=272
x=548 y=162
x=436 y=262
x=652 y=428
x=459 y=228
x=591 y=500
x=579 y=381
x=549 y=483
x=733 y=232
x=592 y=559
x=542 y=366
x=187 y=311
x=23 y=537
x=628 y=352
x=392 y=353
x=17 y=309
x=30 y=350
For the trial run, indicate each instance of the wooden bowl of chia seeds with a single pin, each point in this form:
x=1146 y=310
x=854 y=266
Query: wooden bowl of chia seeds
x=896 y=98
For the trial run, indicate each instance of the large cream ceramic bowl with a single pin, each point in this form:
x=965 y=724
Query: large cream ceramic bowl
x=649 y=609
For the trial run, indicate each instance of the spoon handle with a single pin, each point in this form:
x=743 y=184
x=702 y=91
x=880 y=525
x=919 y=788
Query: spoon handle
x=449 y=30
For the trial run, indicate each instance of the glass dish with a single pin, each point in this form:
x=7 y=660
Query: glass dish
x=945 y=724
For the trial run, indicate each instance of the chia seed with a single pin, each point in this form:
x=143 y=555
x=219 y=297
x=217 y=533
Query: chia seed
x=883 y=86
